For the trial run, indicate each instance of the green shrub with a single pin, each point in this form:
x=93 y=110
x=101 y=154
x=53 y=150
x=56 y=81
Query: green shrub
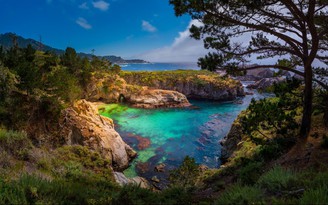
x=34 y=190
x=11 y=193
x=185 y=175
x=132 y=194
x=73 y=170
x=318 y=196
x=238 y=194
x=15 y=143
x=176 y=195
x=250 y=172
x=278 y=179
x=320 y=179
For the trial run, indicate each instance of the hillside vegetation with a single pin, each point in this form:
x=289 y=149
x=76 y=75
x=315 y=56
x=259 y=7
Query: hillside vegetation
x=268 y=164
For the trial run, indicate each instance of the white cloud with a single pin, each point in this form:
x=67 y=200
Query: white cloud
x=183 y=49
x=101 y=5
x=146 y=26
x=83 y=23
x=84 y=6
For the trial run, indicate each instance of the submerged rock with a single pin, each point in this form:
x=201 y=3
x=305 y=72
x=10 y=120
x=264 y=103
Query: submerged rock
x=81 y=124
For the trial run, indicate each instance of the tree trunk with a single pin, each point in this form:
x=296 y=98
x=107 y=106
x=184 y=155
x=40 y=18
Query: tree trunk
x=307 y=104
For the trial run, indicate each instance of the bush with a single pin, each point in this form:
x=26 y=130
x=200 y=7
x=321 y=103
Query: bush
x=186 y=175
x=278 y=179
x=34 y=190
x=132 y=194
x=249 y=172
x=176 y=195
x=315 y=196
x=15 y=143
x=238 y=194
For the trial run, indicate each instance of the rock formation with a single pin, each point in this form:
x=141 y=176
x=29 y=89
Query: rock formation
x=81 y=124
x=193 y=84
x=113 y=89
x=230 y=141
x=154 y=98
x=266 y=83
x=122 y=180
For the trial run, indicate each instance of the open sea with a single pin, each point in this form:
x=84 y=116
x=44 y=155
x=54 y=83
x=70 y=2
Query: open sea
x=160 y=66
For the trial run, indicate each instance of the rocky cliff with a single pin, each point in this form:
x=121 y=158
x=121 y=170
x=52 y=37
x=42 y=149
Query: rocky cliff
x=265 y=83
x=110 y=88
x=230 y=141
x=81 y=124
x=193 y=84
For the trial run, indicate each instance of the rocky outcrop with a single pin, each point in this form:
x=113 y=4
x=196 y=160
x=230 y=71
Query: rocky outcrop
x=154 y=98
x=193 y=84
x=109 y=89
x=81 y=124
x=122 y=180
x=207 y=91
x=265 y=83
x=229 y=142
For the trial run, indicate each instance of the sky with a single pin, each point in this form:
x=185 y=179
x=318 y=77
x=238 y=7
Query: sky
x=146 y=29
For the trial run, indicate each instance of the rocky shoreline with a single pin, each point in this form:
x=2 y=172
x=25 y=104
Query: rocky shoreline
x=82 y=124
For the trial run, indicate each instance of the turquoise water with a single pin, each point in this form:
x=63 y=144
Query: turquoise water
x=159 y=66
x=168 y=135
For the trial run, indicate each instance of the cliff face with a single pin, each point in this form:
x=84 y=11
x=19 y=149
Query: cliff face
x=114 y=89
x=193 y=84
x=81 y=124
x=230 y=142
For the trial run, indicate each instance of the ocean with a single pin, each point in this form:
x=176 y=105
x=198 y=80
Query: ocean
x=160 y=66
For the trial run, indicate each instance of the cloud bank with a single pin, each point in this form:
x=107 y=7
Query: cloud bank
x=183 y=49
x=83 y=23
x=146 y=26
x=101 y=5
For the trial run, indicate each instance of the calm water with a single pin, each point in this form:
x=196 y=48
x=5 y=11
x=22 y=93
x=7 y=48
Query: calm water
x=168 y=135
x=160 y=66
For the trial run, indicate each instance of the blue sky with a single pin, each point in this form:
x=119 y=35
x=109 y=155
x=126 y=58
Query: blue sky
x=145 y=29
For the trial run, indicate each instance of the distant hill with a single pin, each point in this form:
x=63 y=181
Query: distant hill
x=6 y=41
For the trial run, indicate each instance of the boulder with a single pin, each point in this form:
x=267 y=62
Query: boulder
x=160 y=167
x=122 y=180
x=81 y=124
x=155 y=179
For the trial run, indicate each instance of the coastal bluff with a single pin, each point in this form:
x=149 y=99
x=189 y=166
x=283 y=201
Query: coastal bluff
x=192 y=83
x=109 y=88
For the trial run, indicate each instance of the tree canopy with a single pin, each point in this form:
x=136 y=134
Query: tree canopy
x=288 y=34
